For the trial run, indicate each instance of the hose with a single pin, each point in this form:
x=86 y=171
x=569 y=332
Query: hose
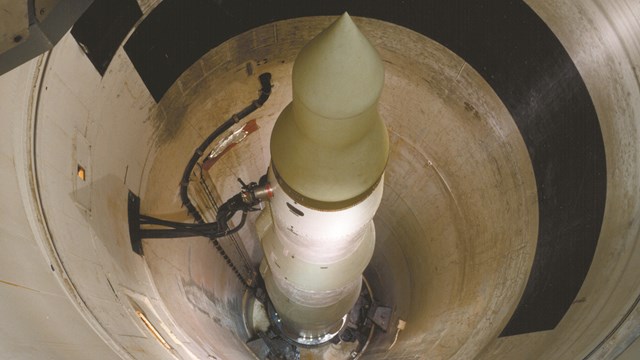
x=226 y=211
x=265 y=91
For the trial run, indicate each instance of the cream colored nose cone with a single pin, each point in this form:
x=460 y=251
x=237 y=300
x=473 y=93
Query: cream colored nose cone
x=329 y=147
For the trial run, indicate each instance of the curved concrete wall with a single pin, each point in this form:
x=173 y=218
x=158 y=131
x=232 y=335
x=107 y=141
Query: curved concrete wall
x=469 y=229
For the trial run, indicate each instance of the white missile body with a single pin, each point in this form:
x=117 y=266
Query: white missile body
x=329 y=148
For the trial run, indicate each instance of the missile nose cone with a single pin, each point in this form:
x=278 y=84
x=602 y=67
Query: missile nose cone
x=329 y=147
x=338 y=74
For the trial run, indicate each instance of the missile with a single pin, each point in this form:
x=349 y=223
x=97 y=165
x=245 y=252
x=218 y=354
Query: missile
x=329 y=148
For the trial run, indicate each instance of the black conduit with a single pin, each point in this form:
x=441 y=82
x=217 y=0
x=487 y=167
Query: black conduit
x=265 y=91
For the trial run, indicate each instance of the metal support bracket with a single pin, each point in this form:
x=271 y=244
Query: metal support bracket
x=134 y=223
x=380 y=315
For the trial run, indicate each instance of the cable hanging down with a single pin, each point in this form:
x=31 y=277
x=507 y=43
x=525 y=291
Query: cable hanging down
x=265 y=91
x=245 y=201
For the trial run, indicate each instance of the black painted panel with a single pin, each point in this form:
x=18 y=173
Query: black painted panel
x=174 y=36
x=103 y=27
x=516 y=53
